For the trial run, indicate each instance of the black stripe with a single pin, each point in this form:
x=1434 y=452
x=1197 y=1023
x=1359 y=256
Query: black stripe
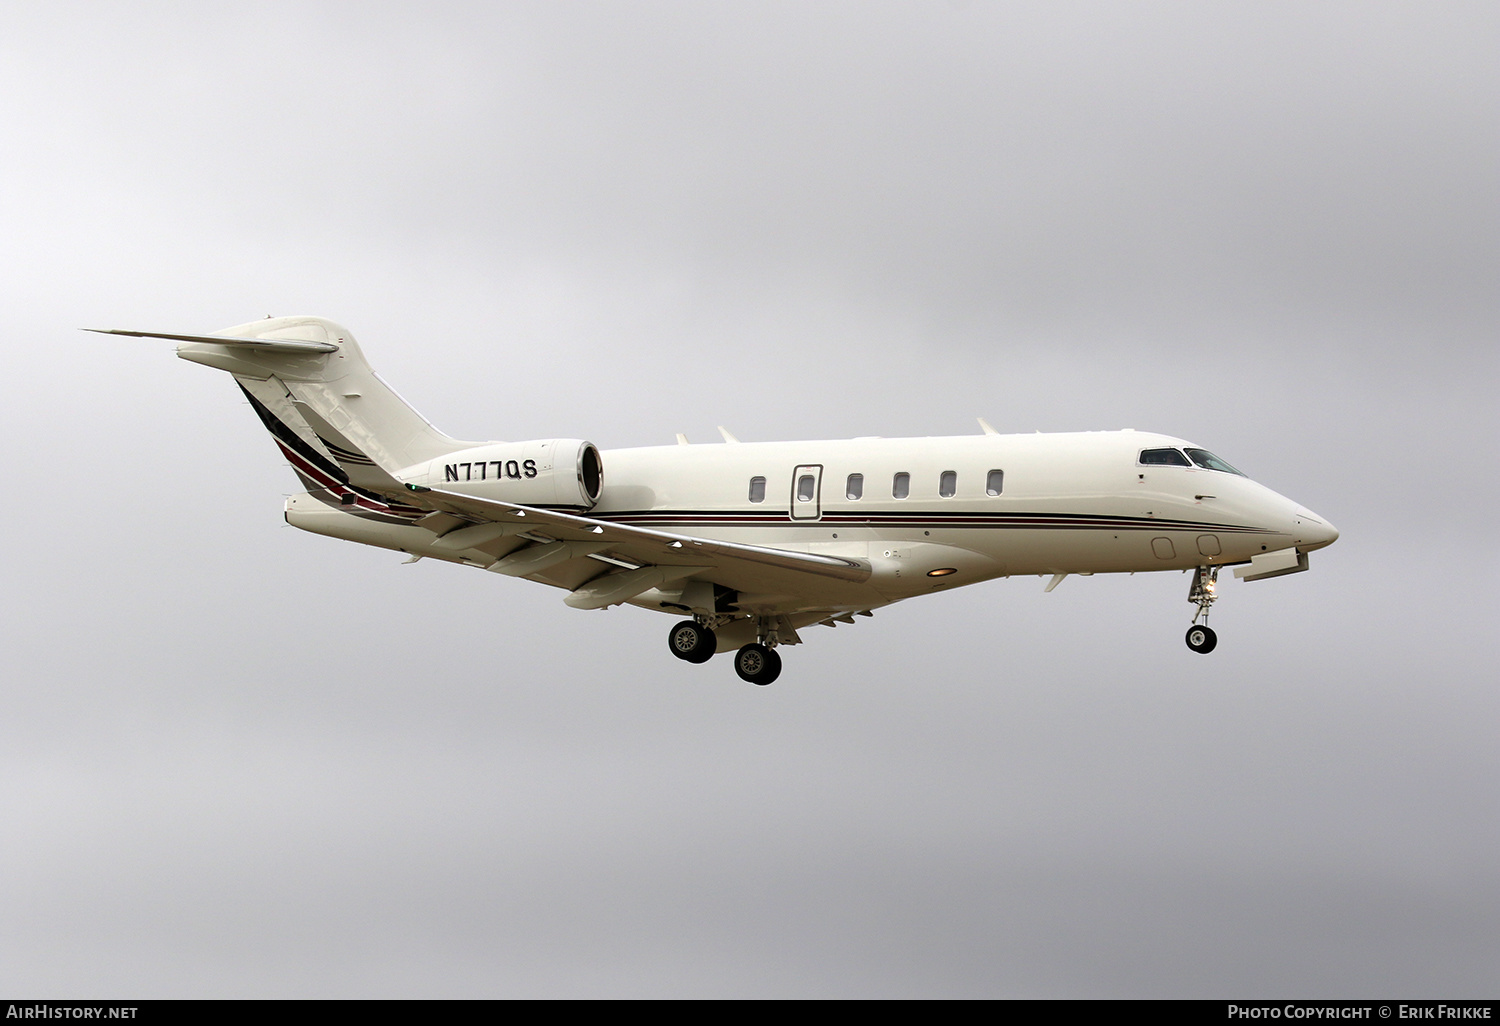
x=294 y=441
x=340 y=487
x=346 y=455
x=924 y=518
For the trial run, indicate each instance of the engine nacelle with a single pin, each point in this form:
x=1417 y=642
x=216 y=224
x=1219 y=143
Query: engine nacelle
x=554 y=473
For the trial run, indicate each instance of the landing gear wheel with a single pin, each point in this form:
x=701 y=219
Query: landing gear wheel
x=691 y=642
x=1201 y=638
x=757 y=664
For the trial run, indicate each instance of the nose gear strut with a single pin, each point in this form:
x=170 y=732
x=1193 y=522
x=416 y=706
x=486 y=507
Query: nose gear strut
x=1201 y=637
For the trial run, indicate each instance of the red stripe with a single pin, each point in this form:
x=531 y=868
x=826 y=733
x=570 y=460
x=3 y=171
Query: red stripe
x=338 y=487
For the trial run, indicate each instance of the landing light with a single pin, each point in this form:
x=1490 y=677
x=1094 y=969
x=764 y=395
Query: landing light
x=943 y=572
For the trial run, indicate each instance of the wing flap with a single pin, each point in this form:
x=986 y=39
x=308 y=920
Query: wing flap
x=612 y=589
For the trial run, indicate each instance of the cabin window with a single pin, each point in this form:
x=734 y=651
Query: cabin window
x=757 y=489
x=1208 y=461
x=806 y=485
x=855 y=488
x=948 y=484
x=994 y=482
x=901 y=486
x=1164 y=458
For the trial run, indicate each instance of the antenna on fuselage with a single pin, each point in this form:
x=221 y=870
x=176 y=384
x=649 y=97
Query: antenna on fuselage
x=984 y=425
x=727 y=436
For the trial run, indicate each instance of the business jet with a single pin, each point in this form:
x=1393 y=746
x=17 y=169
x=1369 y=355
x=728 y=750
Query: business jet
x=747 y=544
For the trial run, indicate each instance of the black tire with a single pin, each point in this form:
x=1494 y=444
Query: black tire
x=692 y=642
x=757 y=664
x=1201 y=639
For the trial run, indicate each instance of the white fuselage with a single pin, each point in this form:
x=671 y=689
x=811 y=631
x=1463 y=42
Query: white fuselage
x=1074 y=503
x=1068 y=503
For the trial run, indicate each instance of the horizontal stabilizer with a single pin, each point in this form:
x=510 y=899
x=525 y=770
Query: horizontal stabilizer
x=276 y=345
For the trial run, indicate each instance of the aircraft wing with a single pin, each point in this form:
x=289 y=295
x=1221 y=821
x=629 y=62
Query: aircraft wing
x=645 y=557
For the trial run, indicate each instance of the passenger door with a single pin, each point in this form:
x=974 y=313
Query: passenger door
x=807 y=482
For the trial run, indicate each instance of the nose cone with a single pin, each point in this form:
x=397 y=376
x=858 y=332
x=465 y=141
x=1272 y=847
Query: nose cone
x=1312 y=531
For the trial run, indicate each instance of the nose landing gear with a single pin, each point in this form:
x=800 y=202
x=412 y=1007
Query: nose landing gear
x=1201 y=637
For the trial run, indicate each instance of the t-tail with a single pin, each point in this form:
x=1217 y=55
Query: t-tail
x=343 y=430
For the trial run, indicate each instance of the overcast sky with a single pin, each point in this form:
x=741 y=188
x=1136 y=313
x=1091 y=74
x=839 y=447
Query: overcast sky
x=240 y=760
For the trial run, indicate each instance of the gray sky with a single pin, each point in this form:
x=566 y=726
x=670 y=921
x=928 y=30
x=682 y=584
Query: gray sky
x=239 y=760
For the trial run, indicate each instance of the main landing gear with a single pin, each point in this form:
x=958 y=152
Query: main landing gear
x=1200 y=636
x=757 y=662
x=692 y=641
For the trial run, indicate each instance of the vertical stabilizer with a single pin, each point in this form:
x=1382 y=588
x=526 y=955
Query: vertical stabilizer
x=343 y=429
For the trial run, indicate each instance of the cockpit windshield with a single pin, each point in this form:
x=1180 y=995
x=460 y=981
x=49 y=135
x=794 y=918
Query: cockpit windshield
x=1163 y=458
x=1208 y=461
x=1175 y=458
